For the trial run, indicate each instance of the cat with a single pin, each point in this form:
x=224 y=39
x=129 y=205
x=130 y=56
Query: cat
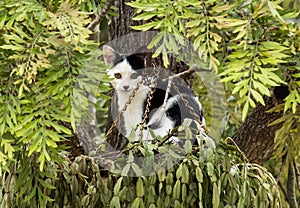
x=126 y=72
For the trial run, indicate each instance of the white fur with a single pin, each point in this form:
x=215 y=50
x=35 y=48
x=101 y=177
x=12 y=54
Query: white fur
x=159 y=116
x=134 y=112
x=126 y=71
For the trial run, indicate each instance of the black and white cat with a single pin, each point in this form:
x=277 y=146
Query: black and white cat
x=165 y=115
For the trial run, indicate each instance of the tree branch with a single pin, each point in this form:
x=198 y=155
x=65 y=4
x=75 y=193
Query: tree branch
x=291 y=192
x=98 y=19
x=170 y=80
x=297 y=174
x=255 y=137
x=283 y=163
x=190 y=70
x=282 y=189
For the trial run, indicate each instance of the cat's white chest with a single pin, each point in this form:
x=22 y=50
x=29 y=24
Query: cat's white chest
x=134 y=111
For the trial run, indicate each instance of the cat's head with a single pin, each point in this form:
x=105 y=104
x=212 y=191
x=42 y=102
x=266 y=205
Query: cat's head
x=126 y=70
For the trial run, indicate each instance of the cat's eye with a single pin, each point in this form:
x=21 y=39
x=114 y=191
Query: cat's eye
x=118 y=75
x=134 y=76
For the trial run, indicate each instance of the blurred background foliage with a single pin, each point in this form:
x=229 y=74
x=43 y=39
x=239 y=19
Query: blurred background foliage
x=48 y=63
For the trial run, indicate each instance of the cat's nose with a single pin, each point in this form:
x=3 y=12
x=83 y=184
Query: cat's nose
x=125 y=87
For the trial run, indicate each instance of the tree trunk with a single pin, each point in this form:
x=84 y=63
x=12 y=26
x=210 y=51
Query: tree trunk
x=255 y=137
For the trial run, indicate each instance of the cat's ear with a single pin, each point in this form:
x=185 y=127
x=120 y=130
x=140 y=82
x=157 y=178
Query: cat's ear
x=109 y=55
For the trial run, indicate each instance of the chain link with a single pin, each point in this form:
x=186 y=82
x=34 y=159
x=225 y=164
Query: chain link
x=147 y=109
x=148 y=104
x=114 y=124
x=186 y=103
x=191 y=110
x=150 y=96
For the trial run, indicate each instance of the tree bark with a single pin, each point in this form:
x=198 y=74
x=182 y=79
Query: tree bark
x=291 y=192
x=255 y=137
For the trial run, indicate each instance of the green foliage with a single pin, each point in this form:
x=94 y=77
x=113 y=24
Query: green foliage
x=49 y=64
x=253 y=46
x=287 y=143
x=248 y=44
x=43 y=48
x=287 y=140
x=222 y=180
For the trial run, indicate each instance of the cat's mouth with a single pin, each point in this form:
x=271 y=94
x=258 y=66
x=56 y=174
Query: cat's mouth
x=126 y=90
x=130 y=89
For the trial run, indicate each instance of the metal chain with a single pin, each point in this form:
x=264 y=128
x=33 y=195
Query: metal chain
x=148 y=103
x=114 y=124
x=191 y=110
x=186 y=103
x=147 y=108
x=150 y=96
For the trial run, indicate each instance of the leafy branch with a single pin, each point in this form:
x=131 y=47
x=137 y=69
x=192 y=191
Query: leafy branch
x=92 y=26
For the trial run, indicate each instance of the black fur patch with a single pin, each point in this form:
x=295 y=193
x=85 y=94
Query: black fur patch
x=178 y=111
x=134 y=60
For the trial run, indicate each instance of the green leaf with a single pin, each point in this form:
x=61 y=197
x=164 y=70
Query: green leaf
x=165 y=57
x=46 y=184
x=185 y=174
x=245 y=110
x=50 y=143
x=53 y=135
x=2 y=21
x=161 y=176
x=271 y=45
x=261 y=88
x=211 y=171
x=223 y=8
x=257 y=96
x=41 y=159
x=35 y=146
x=240 y=85
x=273 y=8
x=145 y=16
x=32 y=194
x=177 y=190
x=13 y=47
x=188 y=146
x=117 y=186
x=115 y=202
x=125 y=170
x=58 y=127
x=228 y=22
x=140 y=187
x=199 y=175
x=216 y=196
x=72 y=121
x=200 y=191
x=156 y=40
x=179 y=171
x=240 y=35
x=136 y=169
x=145 y=27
